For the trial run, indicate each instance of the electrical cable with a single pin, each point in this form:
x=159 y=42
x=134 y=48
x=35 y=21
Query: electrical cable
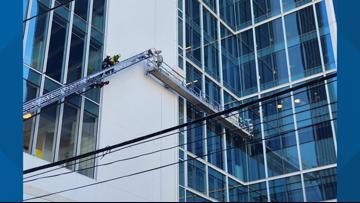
x=184 y=144
x=136 y=173
x=50 y=9
x=180 y=132
x=214 y=115
x=319 y=116
x=93 y=158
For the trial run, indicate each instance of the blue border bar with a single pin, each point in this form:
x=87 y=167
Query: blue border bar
x=11 y=101
x=348 y=20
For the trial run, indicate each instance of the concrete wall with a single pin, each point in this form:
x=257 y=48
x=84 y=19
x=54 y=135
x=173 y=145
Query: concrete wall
x=133 y=105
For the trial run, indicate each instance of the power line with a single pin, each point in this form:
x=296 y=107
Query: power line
x=149 y=170
x=318 y=116
x=51 y=9
x=184 y=144
x=109 y=152
x=211 y=116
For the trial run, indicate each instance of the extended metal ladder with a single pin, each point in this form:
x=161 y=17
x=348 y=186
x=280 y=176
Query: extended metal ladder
x=33 y=106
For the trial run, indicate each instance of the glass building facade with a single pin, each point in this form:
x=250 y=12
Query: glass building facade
x=62 y=46
x=235 y=51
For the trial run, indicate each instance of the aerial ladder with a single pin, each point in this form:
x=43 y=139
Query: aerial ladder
x=33 y=106
x=157 y=68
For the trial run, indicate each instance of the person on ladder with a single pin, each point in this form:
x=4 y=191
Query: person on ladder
x=107 y=63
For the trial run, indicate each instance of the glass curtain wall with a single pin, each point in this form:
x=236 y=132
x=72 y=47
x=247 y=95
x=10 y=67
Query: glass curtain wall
x=62 y=46
x=241 y=50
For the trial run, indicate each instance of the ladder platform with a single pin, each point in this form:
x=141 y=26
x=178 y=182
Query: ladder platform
x=176 y=82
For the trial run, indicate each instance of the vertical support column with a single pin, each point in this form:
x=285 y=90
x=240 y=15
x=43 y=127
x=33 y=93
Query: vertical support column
x=107 y=3
x=185 y=150
x=260 y=105
x=326 y=81
x=26 y=24
x=64 y=76
x=42 y=84
x=292 y=100
x=220 y=56
x=84 y=73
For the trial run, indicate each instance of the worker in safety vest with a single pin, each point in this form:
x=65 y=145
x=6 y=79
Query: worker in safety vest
x=110 y=61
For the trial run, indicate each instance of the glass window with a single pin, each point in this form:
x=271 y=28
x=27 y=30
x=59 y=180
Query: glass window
x=291 y=4
x=230 y=64
x=195 y=134
x=273 y=70
x=182 y=173
x=264 y=9
x=248 y=77
x=191 y=197
x=282 y=155
x=229 y=101
x=180 y=32
x=181 y=105
x=305 y=59
x=237 y=192
x=258 y=192
x=212 y=60
x=311 y=105
x=193 y=31
x=211 y=4
x=36 y=37
x=211 y=52
x=45 y=143
x=77 y=47
x=46 y=133
x=196 y=175
x=193 y=79
x=236 y=155
x=65 y=3
x=332 y=87
x=31 y=86
x=247 y=69
x=69 y=129
x=88 y=136
x=286 y=190
x=270 y=37
x=238 y=62
x=317 y=145
x=321 y=185
x=227 y=12
x=181 y=194
x=81 y=8
x=251 y=115
x=278 y=116
x=212 y=93
x=328 y=52
x=217 y=185
x=255 y=156
x=98 y=15
x=300 y=26
x=28 y=126
x=243 y=13
x=322 y=17
x=55 y=66
x=94 y=63
x=215 y=144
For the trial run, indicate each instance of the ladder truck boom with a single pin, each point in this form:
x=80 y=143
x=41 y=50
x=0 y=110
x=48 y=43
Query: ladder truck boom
x=33 y=106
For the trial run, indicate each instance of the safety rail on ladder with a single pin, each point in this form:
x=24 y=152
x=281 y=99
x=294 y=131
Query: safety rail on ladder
x=33 y=106
x=165 y=69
